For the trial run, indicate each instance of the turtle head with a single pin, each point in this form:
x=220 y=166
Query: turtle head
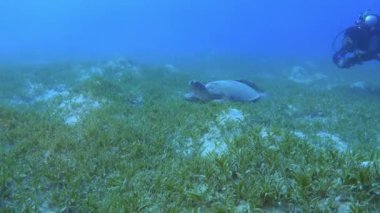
x=197 y=86
x=199 y=90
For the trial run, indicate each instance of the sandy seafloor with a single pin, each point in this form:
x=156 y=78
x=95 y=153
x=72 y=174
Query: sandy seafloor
x=117 y=135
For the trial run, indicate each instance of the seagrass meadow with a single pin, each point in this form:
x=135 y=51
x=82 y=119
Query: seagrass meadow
x=118 y=136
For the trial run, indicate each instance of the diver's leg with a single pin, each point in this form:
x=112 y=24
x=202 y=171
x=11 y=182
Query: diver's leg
x=374 y=44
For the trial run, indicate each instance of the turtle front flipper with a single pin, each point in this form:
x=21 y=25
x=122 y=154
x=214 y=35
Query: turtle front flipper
x=191 y=97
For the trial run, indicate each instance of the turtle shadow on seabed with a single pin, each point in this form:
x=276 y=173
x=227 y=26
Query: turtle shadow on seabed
x=373 y=91
x=362 y=88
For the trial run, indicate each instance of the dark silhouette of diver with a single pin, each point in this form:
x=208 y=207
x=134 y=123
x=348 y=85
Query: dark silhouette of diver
x=361 y=42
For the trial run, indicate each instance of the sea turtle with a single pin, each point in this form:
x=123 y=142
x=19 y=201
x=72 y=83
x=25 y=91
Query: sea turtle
x=234 y=90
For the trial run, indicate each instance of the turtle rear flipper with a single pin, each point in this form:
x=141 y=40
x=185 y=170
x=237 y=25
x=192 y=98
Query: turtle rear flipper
x=251 y=84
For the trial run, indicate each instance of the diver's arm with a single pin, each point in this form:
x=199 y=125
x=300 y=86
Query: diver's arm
x=339 y=58
x=346 y=57
x=338 y=55
x=357 y=59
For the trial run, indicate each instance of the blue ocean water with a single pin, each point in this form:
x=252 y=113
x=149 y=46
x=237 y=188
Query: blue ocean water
x=185 y=106
x=145 y=28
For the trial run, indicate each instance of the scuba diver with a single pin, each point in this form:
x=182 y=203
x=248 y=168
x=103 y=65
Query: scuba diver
x=361 y=42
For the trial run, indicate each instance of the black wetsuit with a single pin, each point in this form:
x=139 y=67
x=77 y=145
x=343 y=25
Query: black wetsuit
x=360 y=43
